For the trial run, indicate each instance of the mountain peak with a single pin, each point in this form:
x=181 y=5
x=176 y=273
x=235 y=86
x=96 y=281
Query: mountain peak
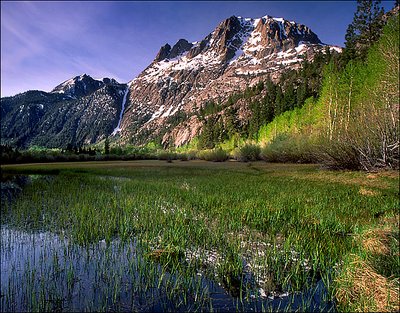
x=83 y=76
x=78 y=86
x=235 y=36
x=239 y=52
x=163 y=53
x=179 y=48
x=166 y=52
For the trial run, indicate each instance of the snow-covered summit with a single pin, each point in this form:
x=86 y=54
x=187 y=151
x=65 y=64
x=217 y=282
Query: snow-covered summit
x=266 y=42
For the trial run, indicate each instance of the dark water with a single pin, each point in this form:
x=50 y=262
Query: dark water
x=11 y=186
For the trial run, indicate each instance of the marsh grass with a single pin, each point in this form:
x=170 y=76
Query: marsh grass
x=370 y=279
x=363 y=289
x=261 y=231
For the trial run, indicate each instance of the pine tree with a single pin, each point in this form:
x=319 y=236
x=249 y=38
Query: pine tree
x=365 y=29
x=279 y=101
x=370 y=23
x=254 y=122
x=269 y=102
x=289 y=98
x=351 y=40
x=231 y=122
x=206 y=138
x=107 y=146
x=301 y=94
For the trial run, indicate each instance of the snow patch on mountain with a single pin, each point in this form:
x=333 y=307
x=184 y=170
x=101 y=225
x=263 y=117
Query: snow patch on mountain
x=156 y=114
x=182 y=62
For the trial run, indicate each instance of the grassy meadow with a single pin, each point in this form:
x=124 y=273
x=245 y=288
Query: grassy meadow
x=199 y=236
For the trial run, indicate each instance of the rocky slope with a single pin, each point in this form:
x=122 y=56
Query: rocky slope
x=238 y=53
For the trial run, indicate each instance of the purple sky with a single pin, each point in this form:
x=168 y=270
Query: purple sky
x=46 y=43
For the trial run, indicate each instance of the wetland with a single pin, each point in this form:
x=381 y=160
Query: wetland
x=187 y=235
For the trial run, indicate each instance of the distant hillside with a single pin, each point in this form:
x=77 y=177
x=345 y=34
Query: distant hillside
x=81 y=111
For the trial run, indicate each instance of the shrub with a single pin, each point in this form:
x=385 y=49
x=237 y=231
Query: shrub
x=191 y=154
x=248 y=152
x=339 y=155
x=166 y=155
x=186 y=156
x=215 y=155
x=289 y=148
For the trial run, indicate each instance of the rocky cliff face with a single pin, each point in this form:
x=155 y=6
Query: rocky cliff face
x=238 y=53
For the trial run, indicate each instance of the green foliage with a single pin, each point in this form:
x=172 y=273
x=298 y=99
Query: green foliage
x=210 y=107
x=233 y=142
x=36 y=148
x=152 y=145
x=294 y=121
x=177 y=118
x=190 y=146
x=212 y=133
x=291 y=92
x=361 y=131
x=266 y=100
x=215 y=155
x=116 y=150
x=248 y=152
x=166 y=155
x=293 y=148
x=231 y=125
x=107 y=146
